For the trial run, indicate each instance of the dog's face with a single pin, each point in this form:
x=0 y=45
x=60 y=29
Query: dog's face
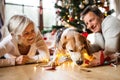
x=72 y=42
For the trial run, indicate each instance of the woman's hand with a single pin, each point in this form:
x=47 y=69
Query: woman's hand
x=22 y=59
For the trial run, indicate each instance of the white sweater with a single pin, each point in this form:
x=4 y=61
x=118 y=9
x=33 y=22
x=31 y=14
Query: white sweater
x=9 y=48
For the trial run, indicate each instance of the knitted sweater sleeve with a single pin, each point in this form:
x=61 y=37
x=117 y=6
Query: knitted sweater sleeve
x=111 y=34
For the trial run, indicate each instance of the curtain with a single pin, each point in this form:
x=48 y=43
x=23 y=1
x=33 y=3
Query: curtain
x=2 y=10
x=1 y=15
x=115 y=4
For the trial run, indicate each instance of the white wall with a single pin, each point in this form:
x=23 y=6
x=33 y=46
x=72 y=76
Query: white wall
x=115 y=4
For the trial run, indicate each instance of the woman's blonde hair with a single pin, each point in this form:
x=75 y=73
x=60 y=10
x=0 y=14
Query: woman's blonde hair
x=17 y=25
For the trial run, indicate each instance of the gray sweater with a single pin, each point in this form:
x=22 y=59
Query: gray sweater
x=111 y=34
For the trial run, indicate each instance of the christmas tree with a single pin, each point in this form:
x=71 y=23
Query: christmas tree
x=68 y=11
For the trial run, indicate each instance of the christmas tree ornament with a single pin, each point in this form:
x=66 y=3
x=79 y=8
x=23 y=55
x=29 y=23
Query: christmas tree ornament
x=86 y=2
x=68 y=21
x=70 y=11
x=71 y=19
x=106 y=6
x=76 y=17
x=59 y=3
x=58 y=12
x=81 y=6
x=78 y=22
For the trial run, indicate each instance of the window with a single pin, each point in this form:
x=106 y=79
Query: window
x=48 y=13
x=30 y=8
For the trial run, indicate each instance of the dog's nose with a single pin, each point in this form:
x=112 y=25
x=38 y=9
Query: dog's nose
x=79 y=62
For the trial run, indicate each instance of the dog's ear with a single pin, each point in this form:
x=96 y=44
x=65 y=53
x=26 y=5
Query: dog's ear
x=64 y=45
x=86 y=43
x=63 y=42
x=87 y=46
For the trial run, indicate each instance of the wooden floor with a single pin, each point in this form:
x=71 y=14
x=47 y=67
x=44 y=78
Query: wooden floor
x=67 y=71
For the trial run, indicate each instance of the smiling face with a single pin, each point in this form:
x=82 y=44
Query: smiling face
x=28 y=35
x=93 y=22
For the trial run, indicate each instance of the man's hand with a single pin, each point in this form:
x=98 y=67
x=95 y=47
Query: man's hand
x=99 y=59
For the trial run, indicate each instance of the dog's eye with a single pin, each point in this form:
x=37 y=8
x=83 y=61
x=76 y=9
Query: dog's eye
x=71 y=50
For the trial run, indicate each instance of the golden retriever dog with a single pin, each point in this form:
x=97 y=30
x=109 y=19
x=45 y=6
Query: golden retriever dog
x=70 y=44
